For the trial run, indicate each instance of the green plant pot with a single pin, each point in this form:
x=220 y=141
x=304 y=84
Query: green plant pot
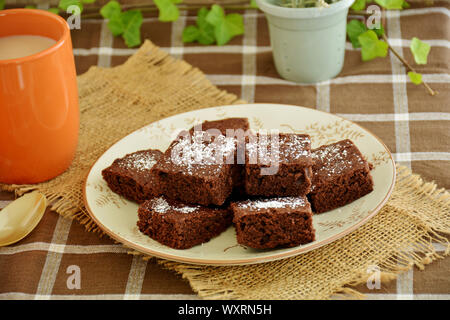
x=308 y=44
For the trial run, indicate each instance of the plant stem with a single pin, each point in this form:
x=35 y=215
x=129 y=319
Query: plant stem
x=408 y=66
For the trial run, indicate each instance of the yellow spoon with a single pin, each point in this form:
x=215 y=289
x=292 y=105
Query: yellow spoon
x=20 y=217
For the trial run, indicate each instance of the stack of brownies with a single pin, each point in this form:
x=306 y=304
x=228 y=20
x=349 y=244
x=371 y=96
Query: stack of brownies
x=213 y=176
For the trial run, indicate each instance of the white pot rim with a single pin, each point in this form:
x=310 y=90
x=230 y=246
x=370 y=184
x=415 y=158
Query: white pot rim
x=303 y=13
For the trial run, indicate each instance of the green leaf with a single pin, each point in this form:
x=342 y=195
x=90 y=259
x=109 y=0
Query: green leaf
x=88 y=1
x=216 y=15
x=168 y=11
x=420 y=50
x=132 y=20
x=206 y=30
x=371 y=46
x=65 y=4
x=53 y=10
x=231 y=26
x=190 y=34
x=253 y=4
x=116 y=26
x=406 y=5
x=379 y=31
x=113 y=13
x=354 y=29
x=416 y=78
x=29 y=6
x=111 y=10
x=2 y=4
x=225 y=27
x=206 y=35
x=359 y=5
x=391 y=4
x=201 y=17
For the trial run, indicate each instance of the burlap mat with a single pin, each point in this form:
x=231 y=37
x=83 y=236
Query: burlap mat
x=152 y=85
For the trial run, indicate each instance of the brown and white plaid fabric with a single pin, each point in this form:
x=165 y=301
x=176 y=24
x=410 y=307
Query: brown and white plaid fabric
x=375 y=94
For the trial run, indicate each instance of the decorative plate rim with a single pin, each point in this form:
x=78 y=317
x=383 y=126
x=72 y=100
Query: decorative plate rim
x=246 y=261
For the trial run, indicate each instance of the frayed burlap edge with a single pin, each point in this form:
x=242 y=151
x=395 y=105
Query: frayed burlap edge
x=254 y=282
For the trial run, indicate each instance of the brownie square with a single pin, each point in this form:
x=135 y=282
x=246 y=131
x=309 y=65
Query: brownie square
x=131 y=175
x=293 y=175
x=273 y=222
x=194 y=170
x=340 y=176
x=238 y=166
x=179 y=225
x=223 y=124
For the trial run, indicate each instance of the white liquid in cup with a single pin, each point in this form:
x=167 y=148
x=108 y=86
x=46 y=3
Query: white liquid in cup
x=13 y=47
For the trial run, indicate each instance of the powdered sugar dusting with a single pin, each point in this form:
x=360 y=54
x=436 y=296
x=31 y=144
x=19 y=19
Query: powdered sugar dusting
x=334 y=159
x=273 y=203
x=198 y=154
x=160 y=205
x=139 y=161
x=285 y=147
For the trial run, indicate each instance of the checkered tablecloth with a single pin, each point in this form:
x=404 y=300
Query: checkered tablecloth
x=375 y=94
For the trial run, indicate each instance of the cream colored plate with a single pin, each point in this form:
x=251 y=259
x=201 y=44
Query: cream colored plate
x=117 y=216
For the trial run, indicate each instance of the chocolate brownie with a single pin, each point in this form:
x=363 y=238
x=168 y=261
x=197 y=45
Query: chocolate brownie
x=273 y=222
x=179 y=225
x=340 y=176
x=131 y=175
x=238 y=166
x=223 y=124
x=195 y=171
x=288 y=167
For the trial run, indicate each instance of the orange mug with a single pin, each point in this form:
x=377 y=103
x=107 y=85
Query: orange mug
x=39 y=114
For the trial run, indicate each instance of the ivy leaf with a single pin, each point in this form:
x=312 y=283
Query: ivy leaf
x=203 y=33
x=53 y=10
x=113 y=13
x=354 y=29
x=216 y=15
x=416 y=78
x=379 y=31
x=406 y=5
x=168 y=11
x=127 y=23
x=359 y=5
x=371 y=46
x=206 y=30
x=253 y=4
x=201 y=17
x=64 y=4
x=116 y=26
x=391 y=4
x=419 y=50
x=132 y=20
x=206 y=35
x=214 y=26
x=2 y=4
x=190 y=34
x=225 y=27
x=231 y=26
x=111 y=10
